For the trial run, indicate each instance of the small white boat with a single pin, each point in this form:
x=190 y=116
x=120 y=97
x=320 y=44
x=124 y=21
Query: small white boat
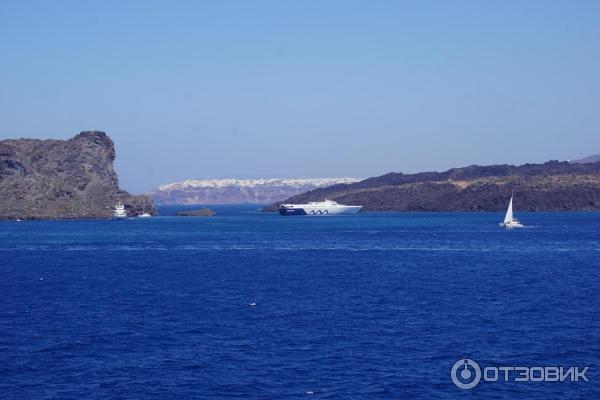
x=120 y=211
x=144 y=215
x=510 y=221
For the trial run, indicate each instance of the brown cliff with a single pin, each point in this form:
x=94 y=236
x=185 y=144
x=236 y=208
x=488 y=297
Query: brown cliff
x=63 y=179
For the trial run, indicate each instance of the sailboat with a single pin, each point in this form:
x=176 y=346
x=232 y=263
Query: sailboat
x=510 y=221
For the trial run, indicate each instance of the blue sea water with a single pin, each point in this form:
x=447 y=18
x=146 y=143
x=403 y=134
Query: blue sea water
x=370 y=306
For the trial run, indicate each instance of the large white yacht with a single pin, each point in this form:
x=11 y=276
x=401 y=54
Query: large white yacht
x=327 y=207
x=120 y=211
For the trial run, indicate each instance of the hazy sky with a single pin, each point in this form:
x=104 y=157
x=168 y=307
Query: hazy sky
x=214 y=89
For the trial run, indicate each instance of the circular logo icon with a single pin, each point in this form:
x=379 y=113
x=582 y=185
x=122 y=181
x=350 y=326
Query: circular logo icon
x=465 y=373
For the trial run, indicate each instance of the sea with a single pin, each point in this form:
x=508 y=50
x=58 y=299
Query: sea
x=252 y=305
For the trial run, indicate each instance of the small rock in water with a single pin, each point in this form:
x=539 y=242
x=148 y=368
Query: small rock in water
x=203 y=212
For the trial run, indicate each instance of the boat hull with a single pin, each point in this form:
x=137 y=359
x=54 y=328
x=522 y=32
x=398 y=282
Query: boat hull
x=304 y=209
x=291 y=211
x=511 y=225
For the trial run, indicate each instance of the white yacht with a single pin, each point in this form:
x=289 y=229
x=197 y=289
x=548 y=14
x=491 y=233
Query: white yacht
x=327 y=207
x=120 y=211
x=509 y=220
x=144 y=215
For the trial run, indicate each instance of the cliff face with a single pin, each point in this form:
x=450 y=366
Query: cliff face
x=552 y=186
x=237 y=191
x=56 y=179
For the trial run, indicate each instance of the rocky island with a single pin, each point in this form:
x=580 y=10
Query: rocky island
x=202 y=212
x=552 y=186
x=63 y=179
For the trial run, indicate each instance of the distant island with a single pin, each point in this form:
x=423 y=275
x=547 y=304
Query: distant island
x=238 y=191
x=202 y=212
x=63 y=179
x=552 y=186
x=586 y=160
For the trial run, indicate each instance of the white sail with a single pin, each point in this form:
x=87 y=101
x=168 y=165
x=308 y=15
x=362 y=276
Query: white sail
x=509 y=212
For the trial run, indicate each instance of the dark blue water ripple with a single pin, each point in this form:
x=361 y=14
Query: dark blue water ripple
x=373 y=306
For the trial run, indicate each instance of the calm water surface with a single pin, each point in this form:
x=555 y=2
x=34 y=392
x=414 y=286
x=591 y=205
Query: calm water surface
x=371 y=306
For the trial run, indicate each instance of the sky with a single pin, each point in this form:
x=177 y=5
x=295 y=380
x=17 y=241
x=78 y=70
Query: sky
x=265 y=89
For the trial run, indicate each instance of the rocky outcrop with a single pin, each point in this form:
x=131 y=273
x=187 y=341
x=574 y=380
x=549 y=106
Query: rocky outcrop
x=203 y=212
x=63 y=179
x=552 y=186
